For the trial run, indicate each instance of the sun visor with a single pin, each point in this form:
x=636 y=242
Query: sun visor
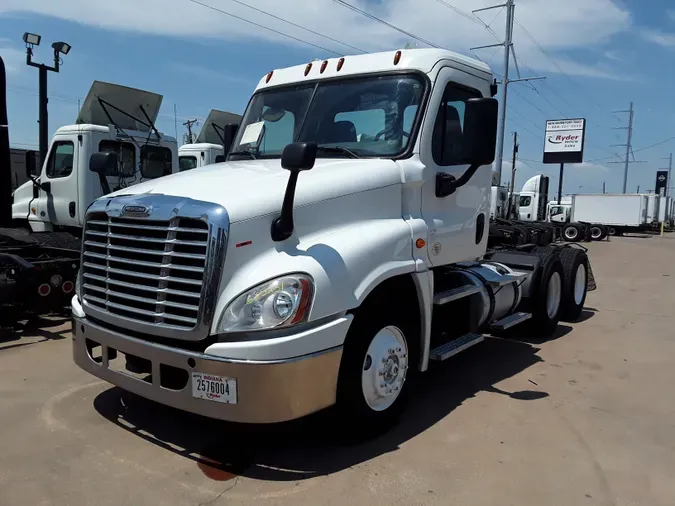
x=212 y=129
x=108 y=103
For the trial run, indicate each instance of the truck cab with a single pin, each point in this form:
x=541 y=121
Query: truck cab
x=208 y=147
x=340 y=248
x=558 y=213
x=533 y=199
x=59 y=194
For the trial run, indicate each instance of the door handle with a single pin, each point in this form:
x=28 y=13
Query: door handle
x=71 y=209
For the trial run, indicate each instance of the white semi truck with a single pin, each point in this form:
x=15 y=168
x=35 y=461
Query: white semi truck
x=339 y=249
x=113 y=118
x=217 y=131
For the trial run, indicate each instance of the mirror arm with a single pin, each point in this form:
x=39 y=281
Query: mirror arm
x=105 y=187
x=282 y=227
x=447 y=184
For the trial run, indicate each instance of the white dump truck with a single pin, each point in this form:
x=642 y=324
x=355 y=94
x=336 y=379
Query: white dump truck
x=339 y=249
x=217 y=131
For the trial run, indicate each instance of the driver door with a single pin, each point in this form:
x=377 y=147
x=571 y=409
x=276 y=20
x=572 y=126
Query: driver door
x=58 y=206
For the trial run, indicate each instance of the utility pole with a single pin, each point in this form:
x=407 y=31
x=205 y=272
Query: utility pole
x=513 y=173
x=508 y=50
x=669 y=169
x=603 y=187
x=629 y=144
x=189 y=124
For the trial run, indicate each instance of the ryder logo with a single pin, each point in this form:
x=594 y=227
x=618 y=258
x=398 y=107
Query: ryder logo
x=559 y=139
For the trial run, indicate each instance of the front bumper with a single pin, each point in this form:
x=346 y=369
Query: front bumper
x=267 y=391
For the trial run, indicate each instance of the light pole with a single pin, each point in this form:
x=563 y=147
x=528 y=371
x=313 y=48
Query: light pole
x=59 y=48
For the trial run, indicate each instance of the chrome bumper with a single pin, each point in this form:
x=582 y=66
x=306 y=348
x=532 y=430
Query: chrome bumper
x=267 y=391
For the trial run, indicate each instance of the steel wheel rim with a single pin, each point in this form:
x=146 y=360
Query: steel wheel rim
x=580 y=284
x=571 y=233
x=611 y=231
x=553 y=293
x=384 y=368
x=596 y=232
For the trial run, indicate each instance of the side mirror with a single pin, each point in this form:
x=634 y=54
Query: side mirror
x=30 y=164
x=295 y=158
x=299 y=156
x=229 y=133
x=480 y=130
x=104 y=164
x=220 y=158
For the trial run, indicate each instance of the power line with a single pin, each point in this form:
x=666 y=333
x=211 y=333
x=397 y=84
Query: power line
x=383 y=22
x=297 y=39
x=296 y=25
x=466 y=15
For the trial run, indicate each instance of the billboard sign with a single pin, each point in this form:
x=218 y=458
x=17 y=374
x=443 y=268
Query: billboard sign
x=564 y=141
x=661 y=182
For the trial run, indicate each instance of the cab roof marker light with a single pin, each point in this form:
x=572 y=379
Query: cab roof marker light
x=397 y=57
x=269 y=76
x=323 y=66
x=341 y=62
x=308 y=68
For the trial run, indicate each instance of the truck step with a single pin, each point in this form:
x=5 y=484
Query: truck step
x=447 y=350
x=455 y=293
x=510 y=321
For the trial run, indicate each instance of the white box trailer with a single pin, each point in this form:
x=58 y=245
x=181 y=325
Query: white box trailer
x=621 y=212
x=663 y=209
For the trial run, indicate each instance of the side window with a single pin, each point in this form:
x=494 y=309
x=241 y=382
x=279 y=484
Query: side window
x=155 y=161
x=447 y=141
x=525 y=201
x=186 y=163
x=60 y=159
x=126 y=152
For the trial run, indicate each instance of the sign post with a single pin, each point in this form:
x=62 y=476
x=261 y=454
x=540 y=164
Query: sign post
x=564 y=143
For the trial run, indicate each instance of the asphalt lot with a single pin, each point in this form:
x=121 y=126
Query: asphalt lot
x=585 y=418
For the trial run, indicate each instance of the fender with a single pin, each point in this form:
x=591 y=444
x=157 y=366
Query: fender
x=348 y=245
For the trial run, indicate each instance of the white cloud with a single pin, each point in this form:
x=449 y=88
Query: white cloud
x=671 y=14
x=588 y=167
x=558 y=26
x=661 y=38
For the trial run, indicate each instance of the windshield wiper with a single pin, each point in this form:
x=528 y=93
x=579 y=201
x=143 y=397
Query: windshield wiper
x=338 y=149
x=243 y=153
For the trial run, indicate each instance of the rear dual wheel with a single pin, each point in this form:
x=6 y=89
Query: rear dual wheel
x=598 y=232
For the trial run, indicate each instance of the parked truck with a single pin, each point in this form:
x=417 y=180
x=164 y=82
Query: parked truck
x=40 y=242
x=325 y=264
x=208 y=147
x=607 y=214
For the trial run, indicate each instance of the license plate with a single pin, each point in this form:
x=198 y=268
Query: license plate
x=214 y=388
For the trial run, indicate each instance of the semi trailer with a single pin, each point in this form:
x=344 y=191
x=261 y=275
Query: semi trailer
x=324 y=265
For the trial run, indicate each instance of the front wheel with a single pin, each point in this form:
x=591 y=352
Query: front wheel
x=374 y=373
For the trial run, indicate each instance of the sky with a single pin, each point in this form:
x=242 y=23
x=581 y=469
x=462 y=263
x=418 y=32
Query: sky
x=597 y=56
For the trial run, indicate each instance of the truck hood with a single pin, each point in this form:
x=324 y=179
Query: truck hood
x=252 y=188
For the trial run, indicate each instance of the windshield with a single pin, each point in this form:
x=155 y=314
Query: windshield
x=370 y=116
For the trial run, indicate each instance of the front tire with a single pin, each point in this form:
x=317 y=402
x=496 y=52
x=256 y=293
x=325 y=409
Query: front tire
x=379 y=354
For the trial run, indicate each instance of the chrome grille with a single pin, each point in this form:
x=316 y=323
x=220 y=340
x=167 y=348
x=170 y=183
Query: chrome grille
x=144 y=270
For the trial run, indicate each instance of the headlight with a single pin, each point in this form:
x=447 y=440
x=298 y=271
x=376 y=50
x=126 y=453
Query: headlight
x=280 y=302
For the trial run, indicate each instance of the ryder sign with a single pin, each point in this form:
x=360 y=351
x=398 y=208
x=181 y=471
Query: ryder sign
x=564 y=141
